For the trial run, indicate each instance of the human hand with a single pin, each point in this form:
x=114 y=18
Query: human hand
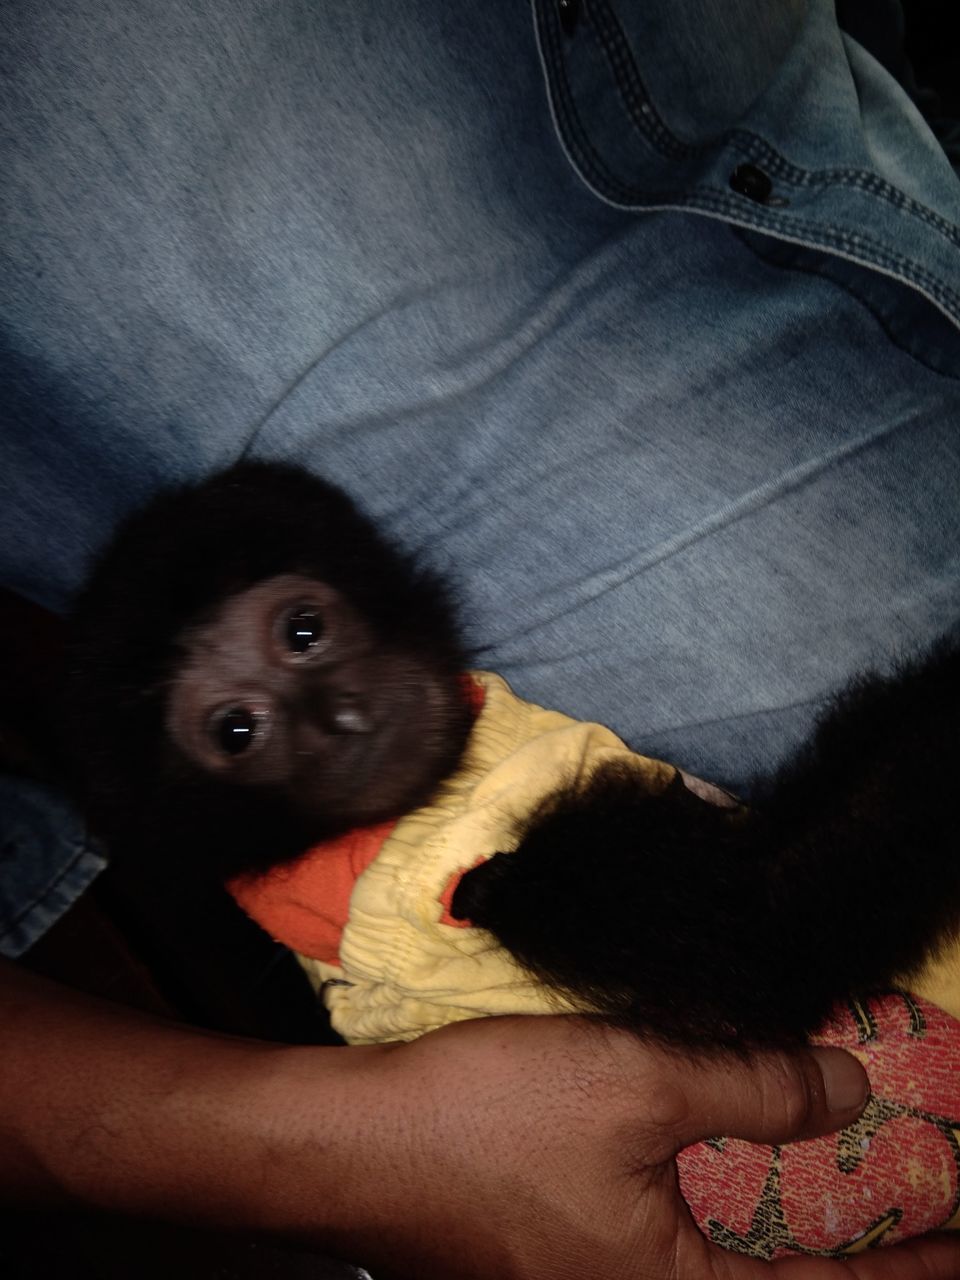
x=500 y=1149
x=543 y=1149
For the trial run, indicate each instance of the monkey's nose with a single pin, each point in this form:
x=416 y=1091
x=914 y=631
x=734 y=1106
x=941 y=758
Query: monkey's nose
x=344 y=713
x=350 y=719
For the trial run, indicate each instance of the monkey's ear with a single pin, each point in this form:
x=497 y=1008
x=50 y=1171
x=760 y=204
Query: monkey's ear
x=476 y=895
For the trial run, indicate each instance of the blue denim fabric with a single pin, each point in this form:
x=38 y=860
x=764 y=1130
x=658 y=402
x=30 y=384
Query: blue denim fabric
x=692 y=457
x=45 y=854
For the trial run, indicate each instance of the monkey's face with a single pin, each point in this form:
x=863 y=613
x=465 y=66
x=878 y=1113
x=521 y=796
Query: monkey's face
x=287 y=687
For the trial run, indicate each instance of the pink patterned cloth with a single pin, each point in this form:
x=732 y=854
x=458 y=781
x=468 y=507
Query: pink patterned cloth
x=894 y=1174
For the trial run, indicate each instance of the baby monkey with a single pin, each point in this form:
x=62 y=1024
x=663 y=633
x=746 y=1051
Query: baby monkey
x=256 y=671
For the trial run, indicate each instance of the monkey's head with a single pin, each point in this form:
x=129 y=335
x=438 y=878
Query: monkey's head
x=253 y=668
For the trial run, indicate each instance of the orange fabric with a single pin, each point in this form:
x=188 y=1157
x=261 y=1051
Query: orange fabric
x=446 y=898
x=474 y=694
x=305 y=904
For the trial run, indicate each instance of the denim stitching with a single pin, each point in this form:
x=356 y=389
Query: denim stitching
x=568 y=119
x=645 y=118
x=811 y=270
x=49 y=887
x=863 y=248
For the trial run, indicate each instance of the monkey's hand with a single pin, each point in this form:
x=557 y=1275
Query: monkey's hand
x=645 y=907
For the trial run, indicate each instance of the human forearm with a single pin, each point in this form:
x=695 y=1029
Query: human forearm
x=106 y=1107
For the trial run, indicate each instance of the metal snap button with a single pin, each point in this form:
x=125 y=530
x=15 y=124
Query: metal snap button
x=747 y=180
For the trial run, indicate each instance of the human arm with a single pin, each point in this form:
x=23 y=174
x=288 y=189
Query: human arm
x=499 y=1148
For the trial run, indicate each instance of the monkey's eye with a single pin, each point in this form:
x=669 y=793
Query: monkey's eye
x=234 y=730
x=302 y=630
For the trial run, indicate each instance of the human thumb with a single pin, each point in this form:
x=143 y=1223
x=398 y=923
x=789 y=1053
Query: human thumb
x=771 y=1097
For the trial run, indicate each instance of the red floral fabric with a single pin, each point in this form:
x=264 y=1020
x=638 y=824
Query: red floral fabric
x=894 y=1174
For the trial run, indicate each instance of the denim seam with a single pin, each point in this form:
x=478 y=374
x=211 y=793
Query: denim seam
x=80 y=852
x=568 y=119
x=851 y=292
x=861 y=248
x=647 y=121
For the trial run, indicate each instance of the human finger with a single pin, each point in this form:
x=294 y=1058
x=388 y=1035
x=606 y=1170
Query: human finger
x=770 y=1097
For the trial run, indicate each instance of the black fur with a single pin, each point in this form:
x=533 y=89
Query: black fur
x=715 y=926
x=169 y=567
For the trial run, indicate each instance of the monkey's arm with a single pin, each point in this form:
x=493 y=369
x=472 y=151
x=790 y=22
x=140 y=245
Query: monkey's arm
x=705 y=925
